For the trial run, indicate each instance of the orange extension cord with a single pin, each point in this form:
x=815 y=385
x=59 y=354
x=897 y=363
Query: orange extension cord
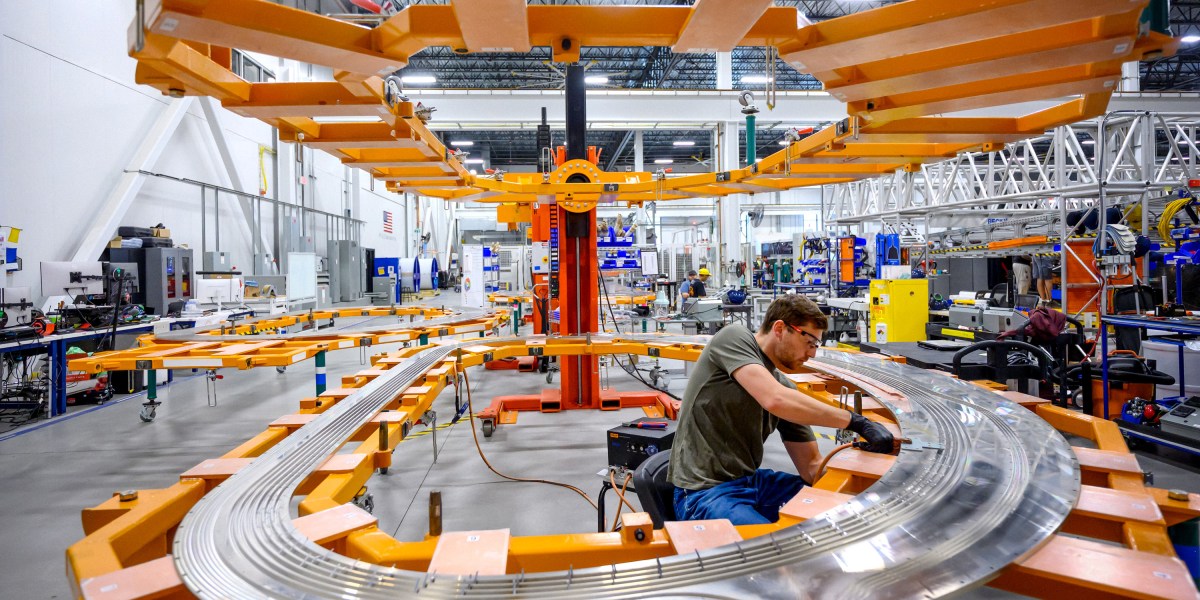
x=475 y=435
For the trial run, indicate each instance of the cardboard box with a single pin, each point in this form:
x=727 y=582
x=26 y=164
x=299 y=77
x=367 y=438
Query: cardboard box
x=115 y=242
x=161 y=232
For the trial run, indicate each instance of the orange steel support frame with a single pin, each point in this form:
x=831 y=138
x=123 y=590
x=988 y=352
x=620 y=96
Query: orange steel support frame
x=127 y=539
x=161 y=353
x=895 y=66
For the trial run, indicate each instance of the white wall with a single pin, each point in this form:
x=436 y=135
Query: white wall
x=71 y=119
x=373 y=203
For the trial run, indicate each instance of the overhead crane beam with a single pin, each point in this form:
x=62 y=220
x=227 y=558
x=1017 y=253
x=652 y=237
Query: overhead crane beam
x=876 y=35
x=272 y=29
x=718 y=25
x=896 y=66
x=492 y=25
x=310 y=99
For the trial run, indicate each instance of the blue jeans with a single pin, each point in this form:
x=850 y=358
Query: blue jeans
x=745 y=501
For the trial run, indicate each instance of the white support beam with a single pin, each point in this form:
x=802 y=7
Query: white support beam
x=639 y=152
x=731 y=206
x=724 y=70
x=249 y=229
x=117 y=203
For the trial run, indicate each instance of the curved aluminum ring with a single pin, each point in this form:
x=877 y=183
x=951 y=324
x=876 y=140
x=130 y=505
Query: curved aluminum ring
x=939 y=521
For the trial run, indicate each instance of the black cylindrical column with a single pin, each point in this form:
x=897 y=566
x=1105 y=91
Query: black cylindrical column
x=576 y=113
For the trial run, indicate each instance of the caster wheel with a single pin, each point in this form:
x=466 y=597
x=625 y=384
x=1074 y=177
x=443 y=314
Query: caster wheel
x=147 y=415
x=488 y=429
x=549 y=377
x=383 y=470
x=281 y=369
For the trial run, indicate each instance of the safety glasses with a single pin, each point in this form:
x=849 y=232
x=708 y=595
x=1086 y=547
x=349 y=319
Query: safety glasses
x=814 y=341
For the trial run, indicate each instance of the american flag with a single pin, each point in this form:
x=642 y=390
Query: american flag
x=387 y=221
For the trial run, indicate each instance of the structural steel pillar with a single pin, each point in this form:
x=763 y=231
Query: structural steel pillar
x=578 y=266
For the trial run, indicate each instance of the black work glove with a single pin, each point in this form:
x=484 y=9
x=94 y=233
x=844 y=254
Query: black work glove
x=878 y=439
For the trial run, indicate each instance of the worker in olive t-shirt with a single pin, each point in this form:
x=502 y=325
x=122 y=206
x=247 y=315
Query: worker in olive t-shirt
x=734 y=399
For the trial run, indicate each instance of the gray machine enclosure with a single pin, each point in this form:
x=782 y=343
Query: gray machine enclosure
x=344 y=259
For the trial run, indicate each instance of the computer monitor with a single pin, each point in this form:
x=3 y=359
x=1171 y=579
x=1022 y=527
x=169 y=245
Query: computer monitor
x=219 y=290
x=72 y=278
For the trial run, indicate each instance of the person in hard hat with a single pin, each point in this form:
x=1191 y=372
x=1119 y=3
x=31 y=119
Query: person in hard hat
x=693 y=286
x=698 y=290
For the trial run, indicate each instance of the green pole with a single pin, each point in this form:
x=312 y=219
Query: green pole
x=751 y=144
x=152 y=385
x=423 y=339
x=320 y=358
x=516 y=324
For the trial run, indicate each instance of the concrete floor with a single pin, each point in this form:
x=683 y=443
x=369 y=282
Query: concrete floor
x=51 y=470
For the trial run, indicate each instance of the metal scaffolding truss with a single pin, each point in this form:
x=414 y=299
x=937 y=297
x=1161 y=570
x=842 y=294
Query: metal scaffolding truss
x=1140 y=155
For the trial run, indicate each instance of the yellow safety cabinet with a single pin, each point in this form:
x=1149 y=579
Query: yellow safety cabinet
x=899 y=310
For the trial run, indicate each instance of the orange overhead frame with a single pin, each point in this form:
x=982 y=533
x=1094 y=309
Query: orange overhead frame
x=492 y=25
x=719 y=25
x=896 y=66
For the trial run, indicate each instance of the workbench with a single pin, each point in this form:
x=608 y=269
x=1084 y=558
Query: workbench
x=56 y=345
x=1184 y=328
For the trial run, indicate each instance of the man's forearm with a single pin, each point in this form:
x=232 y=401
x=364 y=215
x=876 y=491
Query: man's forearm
x=794 y=406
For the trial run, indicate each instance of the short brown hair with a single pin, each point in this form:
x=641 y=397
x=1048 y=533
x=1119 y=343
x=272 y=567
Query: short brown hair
x=794 y=309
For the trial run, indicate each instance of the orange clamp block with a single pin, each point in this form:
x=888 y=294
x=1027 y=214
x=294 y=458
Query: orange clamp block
x=293 y=421
x=328 y=525
x=811 y=502
x=690 y=536
x=153 y=579
x=471 y=553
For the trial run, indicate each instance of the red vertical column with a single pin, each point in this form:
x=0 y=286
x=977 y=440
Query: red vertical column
x=579 y=306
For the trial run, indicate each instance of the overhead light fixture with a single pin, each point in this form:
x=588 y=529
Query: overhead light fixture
x=683 y=143
x=418 y=78
x=783 y=142
x=757 y=79
x=1088 y=142
x=462 y=143
x=596 y=79
x=663 y=161
x=1190 y=39
x=473 y=161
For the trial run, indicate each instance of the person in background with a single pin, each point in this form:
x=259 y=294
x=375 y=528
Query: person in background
x=685 y=288
x=735 y=398
x=698 y=286
x=1043 y=271
x=1022 y=272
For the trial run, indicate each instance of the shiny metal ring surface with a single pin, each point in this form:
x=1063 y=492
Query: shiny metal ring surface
x=989 y=483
